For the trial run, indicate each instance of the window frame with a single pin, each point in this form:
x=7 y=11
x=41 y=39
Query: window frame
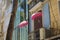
x=43 y=16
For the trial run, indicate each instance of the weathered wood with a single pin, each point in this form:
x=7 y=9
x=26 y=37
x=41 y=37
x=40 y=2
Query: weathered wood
x=11 y=24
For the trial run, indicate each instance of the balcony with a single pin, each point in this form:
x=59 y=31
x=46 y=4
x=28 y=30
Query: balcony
x=44 y=34
x=34 y=35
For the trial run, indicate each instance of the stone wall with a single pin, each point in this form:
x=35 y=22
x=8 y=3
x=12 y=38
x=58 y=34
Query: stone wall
x=55 y=16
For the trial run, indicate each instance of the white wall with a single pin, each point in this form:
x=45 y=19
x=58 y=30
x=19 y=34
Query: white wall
x=7 y=8
x=6 y=20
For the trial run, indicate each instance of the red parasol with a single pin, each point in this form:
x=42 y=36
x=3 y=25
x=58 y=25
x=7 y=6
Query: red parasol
x=36 y=15
x=23 y=24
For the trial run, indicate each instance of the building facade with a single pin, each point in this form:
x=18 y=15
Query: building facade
x=50 y=18
x=5 y=14
x=39 y=29
x=54 y=14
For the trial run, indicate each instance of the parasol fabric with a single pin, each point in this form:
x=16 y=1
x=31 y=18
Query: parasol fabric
x=23 y=24
x=36 y=15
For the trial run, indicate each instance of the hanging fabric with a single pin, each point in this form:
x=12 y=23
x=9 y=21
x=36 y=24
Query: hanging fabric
x=36 y=15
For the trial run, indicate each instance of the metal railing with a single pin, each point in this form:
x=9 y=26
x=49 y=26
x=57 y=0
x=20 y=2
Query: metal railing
x=35 y=35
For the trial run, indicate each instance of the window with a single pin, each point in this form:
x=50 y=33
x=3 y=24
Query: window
x=23 y=16
x=46 y=18
x=21 y=33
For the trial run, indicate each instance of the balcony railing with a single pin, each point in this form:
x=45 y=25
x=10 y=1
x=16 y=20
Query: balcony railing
x=34 y=2
x=34 y=35
x=48 y=34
